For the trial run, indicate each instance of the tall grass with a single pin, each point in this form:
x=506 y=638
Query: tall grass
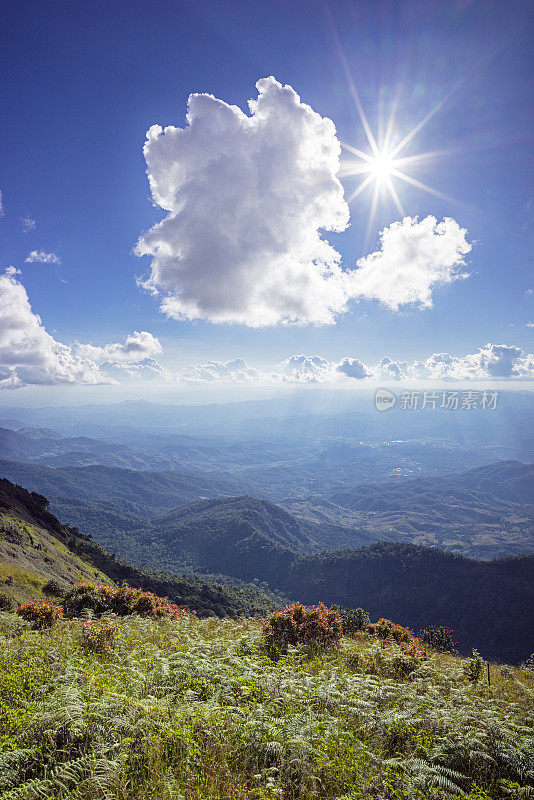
x=194 y=709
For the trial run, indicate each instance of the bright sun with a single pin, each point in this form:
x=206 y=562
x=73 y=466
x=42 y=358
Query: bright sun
x=384 y=164
x=381 y=165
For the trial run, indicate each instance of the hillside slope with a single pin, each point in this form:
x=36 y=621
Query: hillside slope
x=489 y=603
x=35 y=548
x=196 y=709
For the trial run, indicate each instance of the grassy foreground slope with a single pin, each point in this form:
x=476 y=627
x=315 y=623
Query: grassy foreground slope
x=194 y=709
x=35 y=548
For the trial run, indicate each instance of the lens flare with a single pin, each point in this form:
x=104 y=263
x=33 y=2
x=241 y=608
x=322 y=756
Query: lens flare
x=384 y=162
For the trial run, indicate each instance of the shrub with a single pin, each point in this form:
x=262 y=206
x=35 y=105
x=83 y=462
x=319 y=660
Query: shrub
x=403 y=665
x=5 y=602
x=354 y=619
x=439 y=638
x=122 y=601
x=98 y=637
x=85 y=596
x=386 y=629
x=317 y=627
x=41 y=613
x=53 y=588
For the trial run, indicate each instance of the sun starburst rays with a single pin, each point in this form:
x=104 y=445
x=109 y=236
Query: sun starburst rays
x=385 y=161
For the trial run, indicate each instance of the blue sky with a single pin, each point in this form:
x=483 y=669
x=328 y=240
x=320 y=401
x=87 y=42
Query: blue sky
x=81 y=83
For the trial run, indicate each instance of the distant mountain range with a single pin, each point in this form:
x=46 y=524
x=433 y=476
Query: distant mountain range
x=484 y=513
x=48 y=447
x=314 y=442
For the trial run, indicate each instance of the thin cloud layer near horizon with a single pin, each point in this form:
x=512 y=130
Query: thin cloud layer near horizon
x=256 y=264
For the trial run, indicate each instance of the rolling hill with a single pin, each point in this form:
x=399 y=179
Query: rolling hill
x=36 y=548
x=98 y=499
x=490 y=604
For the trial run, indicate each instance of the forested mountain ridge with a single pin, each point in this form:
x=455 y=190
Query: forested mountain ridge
x=36 y=548
x=489 y=603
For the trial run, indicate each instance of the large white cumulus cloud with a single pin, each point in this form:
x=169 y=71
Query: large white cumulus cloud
x=247 y=197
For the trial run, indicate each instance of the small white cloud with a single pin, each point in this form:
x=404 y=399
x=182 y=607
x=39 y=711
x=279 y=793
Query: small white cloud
x=235 y=370
x=2 y=211
x=28 y=224
x=306 y=369
x=9 y=379
x=415 y=257
x=147 y=369
x=42 y=257
x=353 y=368
x=136 y=347
x=529 y=324
x=529 y=292
x=490 y=361
x=394 y=370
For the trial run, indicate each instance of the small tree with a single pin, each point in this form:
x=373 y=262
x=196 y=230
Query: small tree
x=473 y=667
x=439 y=638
